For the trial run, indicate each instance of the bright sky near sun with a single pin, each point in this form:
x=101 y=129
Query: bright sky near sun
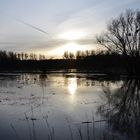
x=54 y=26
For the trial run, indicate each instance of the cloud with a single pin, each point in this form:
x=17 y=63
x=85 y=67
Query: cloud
x=90 y=16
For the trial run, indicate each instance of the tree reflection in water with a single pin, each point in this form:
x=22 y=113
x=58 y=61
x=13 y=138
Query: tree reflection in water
x=123 y=107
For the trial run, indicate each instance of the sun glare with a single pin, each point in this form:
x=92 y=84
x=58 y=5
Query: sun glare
x=72 y=85
x=70 y=47
x=72 y=35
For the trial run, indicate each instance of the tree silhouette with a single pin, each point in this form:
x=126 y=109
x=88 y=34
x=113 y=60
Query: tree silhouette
x=68 y=55
x=123 y=37
x=123 y=34
x=123 y=107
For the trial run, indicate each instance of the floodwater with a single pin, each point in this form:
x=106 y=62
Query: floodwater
x=68 y=106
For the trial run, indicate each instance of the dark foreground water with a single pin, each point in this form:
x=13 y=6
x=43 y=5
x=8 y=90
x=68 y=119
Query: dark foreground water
x=69 y=106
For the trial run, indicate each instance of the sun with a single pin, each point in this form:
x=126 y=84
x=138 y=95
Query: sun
x=70 y=47
x=72 y=35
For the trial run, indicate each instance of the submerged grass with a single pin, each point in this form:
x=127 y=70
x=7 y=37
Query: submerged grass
x=70 y=129
x=15 y=132
x=85 y=131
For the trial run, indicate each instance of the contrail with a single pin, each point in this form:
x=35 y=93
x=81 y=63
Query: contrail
x=32 y=26
x=27 y=24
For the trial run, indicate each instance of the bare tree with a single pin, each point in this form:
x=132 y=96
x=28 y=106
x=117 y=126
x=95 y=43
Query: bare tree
x=42 y=57
x=82 y=54
x=123 y=34
x=66 y=55
x=71 y=55
x=22 y=56
x=26 y=56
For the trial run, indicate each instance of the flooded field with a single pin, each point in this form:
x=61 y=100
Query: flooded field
x=68 y=106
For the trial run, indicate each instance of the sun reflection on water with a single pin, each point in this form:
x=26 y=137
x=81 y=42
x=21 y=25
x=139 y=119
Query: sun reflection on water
x=72 y=85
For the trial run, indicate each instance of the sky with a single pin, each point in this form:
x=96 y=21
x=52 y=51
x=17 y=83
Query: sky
x=51 y=27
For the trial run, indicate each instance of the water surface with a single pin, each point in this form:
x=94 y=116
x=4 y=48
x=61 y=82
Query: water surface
x=60 y=106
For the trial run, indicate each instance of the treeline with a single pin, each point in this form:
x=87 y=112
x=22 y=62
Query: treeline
x=11 y=56
x=101 y=61
x=82 y=60
x=88 y=54
x=106 y=60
